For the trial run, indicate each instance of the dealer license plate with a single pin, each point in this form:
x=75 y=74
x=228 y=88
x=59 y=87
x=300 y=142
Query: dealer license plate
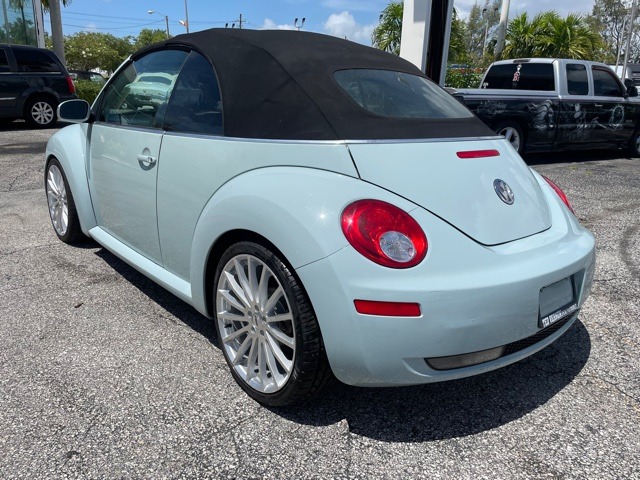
x=557 y=301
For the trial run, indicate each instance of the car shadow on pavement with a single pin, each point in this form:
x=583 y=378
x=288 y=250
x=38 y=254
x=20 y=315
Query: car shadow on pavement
x=422 y=413
x=577 y=156
x=456 y=408
x=172 y=304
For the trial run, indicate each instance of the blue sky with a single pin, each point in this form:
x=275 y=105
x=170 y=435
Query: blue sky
x=354 y=19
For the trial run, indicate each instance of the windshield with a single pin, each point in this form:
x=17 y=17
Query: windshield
x=396 y=94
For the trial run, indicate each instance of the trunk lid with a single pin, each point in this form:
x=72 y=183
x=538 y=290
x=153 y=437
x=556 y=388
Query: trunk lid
x=459 y=190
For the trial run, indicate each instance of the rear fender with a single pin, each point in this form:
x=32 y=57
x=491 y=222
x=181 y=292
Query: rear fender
x=69 y=146
x=296 y=209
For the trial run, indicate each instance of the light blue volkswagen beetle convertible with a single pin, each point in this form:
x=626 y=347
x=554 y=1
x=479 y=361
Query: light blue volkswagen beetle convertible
x=327 y=206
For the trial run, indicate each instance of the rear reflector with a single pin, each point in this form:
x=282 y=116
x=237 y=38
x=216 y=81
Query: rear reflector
x=478 y=154
x=387 y=309
x=466 y=360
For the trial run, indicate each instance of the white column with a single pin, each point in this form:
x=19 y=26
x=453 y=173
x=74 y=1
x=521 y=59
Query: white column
x=414 y=41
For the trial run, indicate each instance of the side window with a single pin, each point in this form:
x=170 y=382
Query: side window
x=195 y=105
x=35 y=61
x=577 y=81
x=4 y=62
x=139 y=94
x=605 y=84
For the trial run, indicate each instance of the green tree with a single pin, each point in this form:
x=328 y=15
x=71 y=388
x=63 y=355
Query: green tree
x=93 y=50
x=481 y=24
x=386 y=36
x=457 y=47
x=147 y=37
x=549 y=35
x=609 y=18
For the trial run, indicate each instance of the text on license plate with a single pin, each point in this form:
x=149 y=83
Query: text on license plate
x=556 y=302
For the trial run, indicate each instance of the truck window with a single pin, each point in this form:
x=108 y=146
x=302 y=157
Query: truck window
x=577 y=81
x=605 y=84
x=521 y=76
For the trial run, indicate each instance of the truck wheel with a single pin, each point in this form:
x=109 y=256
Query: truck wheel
x=512 y=132
x=633 y=149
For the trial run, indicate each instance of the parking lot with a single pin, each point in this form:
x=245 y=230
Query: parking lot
x=103 y=374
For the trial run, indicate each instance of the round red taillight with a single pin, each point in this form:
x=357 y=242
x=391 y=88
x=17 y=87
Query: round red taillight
x=560 y=193
x=384 y=233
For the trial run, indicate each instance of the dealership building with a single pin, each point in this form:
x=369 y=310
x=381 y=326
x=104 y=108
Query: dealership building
x=21 y=22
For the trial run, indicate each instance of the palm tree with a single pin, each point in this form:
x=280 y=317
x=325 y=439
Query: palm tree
x=56 y=25
x=568 y=38
x=549 y=35
x=521 y=38
x=386 y=36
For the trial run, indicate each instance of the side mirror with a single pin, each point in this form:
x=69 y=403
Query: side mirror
x=632 y=91
x=74 y=111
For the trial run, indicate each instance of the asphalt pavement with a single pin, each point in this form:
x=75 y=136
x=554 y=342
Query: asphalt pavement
x=104 y=374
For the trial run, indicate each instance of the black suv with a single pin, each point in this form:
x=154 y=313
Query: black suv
x=33 y=82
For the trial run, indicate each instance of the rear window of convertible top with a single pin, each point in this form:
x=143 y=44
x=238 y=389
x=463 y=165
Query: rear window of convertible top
x=397 y=94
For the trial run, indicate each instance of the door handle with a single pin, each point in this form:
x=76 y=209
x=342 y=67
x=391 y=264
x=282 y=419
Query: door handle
x=599 y=105
x=147 y=159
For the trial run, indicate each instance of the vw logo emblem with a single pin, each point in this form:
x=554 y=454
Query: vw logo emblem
x=503 y=190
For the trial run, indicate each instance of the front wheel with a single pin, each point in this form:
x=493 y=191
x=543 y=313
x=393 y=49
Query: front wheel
x=512 y=132
x=40 y=112
x=62 y=208
x=267 y=328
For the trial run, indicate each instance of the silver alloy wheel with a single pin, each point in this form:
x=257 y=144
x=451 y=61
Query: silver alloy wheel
x=256 y=323
x=511 y=134
x=57 y=200
x=42 y=113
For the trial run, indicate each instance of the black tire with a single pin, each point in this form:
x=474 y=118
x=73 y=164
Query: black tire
x=40 y=112
x=309 y=368
x=633 y=149
x=73 y=233
x=513 y=132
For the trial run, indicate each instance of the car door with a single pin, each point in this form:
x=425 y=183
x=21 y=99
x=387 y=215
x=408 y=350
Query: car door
x=10 y=88
x=124 y=149
x=577 y=118
x=614 y=113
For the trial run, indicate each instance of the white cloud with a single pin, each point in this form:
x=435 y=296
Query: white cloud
x=269 y=24
x=532 y=8
x=354 y=5
x=91 y=27
x=344 y=25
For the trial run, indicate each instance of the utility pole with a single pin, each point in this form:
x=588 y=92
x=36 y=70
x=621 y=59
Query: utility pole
x=502 y=28
x=186 y=16
x=56 y=29
x=620 y=41
x=240 y=21
x=626 y=52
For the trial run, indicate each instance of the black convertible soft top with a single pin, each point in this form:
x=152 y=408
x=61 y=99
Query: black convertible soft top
x=279 y=84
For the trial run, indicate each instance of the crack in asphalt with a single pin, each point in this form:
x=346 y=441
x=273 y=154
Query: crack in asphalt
x=615 y=386
x=629 y=238
x=26 y=249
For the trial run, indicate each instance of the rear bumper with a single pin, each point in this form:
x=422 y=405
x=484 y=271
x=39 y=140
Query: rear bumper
x=472 y=298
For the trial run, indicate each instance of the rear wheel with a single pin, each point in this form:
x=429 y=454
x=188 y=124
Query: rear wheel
x=267 y=328
x=62 y=208
x=40 y=112
x=512 y=132
x=633 y=149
